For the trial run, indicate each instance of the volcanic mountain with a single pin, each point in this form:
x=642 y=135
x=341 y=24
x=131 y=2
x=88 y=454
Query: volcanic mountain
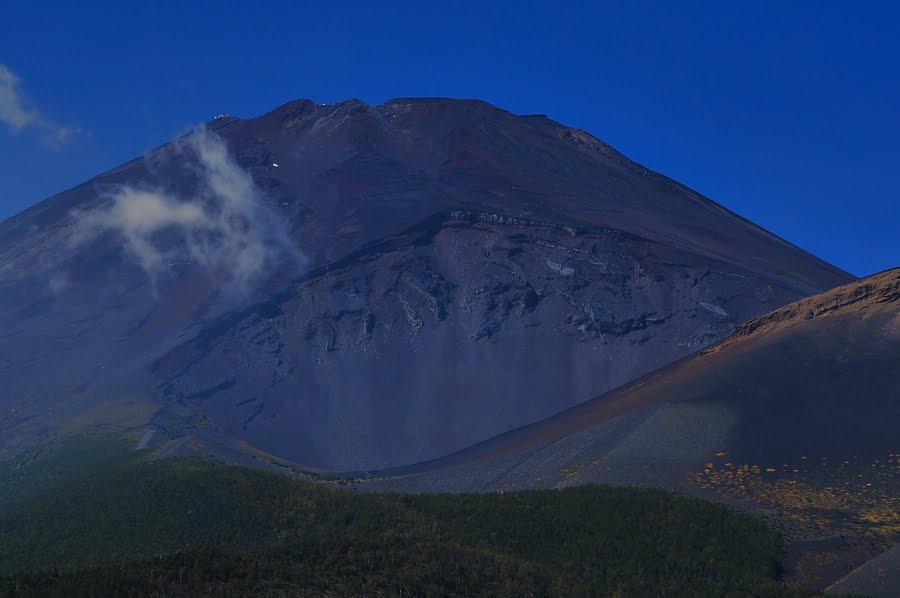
x=349 y=286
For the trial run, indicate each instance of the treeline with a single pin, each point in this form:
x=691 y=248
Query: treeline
x=191 y=527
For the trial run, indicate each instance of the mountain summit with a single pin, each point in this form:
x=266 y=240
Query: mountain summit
x=349 y=286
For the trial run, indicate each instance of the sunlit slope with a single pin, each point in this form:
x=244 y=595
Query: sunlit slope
x=812 y=385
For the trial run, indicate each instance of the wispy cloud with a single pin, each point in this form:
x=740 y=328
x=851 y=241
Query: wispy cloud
x=219 y=221
x=17 y=113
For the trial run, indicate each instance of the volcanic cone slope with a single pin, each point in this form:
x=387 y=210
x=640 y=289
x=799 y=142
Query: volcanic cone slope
x=350 y=286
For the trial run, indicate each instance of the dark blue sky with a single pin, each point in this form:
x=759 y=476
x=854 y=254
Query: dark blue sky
x=788 y=113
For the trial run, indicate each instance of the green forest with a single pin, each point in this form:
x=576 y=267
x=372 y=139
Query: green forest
x=95 y=518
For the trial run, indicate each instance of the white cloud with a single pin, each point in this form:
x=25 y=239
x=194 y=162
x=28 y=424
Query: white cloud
x=17 y=114
x=12 y=109
x=222 y=224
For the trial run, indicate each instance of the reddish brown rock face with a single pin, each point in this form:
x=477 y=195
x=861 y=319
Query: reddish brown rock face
x=466 y=271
